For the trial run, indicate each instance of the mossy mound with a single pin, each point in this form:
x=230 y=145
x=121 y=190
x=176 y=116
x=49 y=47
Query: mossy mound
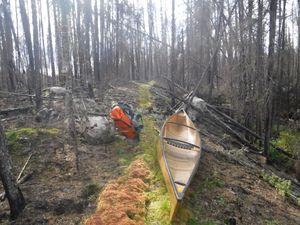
x=123 y=200
x=20 y=140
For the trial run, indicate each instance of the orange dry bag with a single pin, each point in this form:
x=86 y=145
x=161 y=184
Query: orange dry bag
x=123 y=122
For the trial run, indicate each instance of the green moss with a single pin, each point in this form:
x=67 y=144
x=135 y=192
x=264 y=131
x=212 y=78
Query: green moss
x=148 y=142
x=29 y=133
x=145 y=96
x=158 y=211
x=19 y=139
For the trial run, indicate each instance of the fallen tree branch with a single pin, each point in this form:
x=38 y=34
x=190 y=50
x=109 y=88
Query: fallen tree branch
x=14 y=110
x=280 y=150
x=237 y=124
x=16 y=94
x=24 y=167
x=232 y=132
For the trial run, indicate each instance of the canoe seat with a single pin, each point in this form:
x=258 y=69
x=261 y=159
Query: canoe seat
x=180 y=144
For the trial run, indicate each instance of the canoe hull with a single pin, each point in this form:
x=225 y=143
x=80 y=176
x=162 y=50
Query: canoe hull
x=178 y=155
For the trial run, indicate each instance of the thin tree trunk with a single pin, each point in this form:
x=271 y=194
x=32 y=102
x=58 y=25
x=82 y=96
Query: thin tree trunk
x=102 y=71
x=173 y=62
x=270 y=80
x=51 y=45
x=57 y=38
x=96 y=49
x=37 y=67
x=259 y=66
x=9 y=48
x=12 y=191
x=26 y=27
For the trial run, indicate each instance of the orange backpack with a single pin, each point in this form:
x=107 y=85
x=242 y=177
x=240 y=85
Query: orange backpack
x=123 y=122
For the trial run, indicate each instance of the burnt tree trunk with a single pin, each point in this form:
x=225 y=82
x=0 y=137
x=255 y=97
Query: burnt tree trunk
x=13 y=192
x=26 y=27
x=51 y=45
x=173 y=62
x=37 y=62
x=270 y=79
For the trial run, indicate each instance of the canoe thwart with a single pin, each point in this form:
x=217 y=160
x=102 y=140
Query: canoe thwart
x=180 y=143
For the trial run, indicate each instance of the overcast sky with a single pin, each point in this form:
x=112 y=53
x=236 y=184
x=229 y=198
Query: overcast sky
x=292 y=10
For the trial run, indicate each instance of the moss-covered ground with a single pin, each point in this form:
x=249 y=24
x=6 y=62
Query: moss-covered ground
x=23 y=140
x=159 y=204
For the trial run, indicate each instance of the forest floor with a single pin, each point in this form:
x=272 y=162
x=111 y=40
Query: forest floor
x=227 y=189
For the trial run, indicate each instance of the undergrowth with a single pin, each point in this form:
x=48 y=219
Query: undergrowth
x=289 y=141
x=281 y=185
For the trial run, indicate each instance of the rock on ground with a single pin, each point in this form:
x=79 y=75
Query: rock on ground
x=198 y=103
x=98 y=130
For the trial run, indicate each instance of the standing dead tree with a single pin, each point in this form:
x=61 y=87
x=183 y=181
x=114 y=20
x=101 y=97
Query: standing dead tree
x=66 y=65
x=13 y=192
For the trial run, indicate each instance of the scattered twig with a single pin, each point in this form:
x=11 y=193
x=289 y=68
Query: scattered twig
x=24 y=167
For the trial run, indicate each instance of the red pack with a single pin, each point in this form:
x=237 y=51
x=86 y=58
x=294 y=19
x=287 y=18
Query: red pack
x=123 y=122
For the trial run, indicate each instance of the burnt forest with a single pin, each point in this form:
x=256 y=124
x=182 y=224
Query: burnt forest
x=149 y=112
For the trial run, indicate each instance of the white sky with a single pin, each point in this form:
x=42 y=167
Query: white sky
x=180 y=7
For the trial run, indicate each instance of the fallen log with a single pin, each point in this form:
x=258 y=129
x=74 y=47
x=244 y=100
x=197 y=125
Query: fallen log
x=16 y=110
x=233 y=133
x=16 y=94
x=240 y=126
x=233 y=121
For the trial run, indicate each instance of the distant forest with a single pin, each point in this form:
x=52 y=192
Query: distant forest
x=243 y=52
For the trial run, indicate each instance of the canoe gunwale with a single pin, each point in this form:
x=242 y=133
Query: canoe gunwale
x=184 y=125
